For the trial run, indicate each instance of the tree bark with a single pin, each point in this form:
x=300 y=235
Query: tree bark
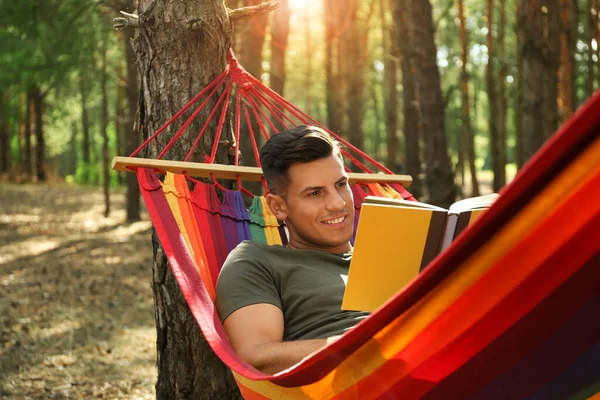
x=356 y=40
x=592 y=29
x=308 y=72
x=519 y=136
x=181 y=48
x=331 y=9
x=4 y=133
x=85 y=122
x=567 y=61
x=439 y=176
x=279 y=39
x=538 y=24
x=40 y=146
x=118 y=116
x=104 y=128
x=390 y=88
x=28 y=123
x=500 y=176
x=467 y=131
x=73 y=149
x=131 y=133
x=411 y=109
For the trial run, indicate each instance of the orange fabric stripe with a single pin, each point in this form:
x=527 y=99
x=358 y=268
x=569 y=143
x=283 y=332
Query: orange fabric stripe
x=178 y=196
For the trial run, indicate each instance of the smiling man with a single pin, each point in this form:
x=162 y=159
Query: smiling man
x=280 y=303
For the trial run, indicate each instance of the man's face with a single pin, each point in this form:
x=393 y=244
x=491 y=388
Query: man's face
x=318 y=208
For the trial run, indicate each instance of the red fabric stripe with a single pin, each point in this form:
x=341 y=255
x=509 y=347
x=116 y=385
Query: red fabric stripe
x=187 y=276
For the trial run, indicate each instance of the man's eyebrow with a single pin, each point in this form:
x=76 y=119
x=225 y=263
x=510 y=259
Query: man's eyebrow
x=311 y=188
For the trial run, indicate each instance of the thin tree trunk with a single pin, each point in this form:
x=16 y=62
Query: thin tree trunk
x=40 y=147
x=495 y=135
x=500 y=176
x=591 y=28
x=411 y=109
x=27 y=166
x=356 y=57
x=22 y=123
x=332 y=72
x=467 y=131
x=308 y=76
x=85 y=122
x=4 y=133
x=566 y=70
x=519 y=101
x=176 y=60
x=73 y=149
x=390 y=90
x=131 y=133
x=551 y=66
x=104 y=128
x=439 y=175
x=118 y=117
x=279 y=40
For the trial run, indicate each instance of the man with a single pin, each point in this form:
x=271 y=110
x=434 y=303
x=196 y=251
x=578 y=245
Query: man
x=279 y=304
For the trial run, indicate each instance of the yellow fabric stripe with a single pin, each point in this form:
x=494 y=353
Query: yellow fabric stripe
x=271 y=224
x=399 y=333
x=171 y=195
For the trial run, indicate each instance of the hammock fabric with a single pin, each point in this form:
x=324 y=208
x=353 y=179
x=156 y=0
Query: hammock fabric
x=510 y=310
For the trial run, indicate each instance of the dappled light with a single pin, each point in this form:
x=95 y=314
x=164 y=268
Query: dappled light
x=76 y=317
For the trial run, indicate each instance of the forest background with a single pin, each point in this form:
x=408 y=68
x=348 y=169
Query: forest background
x=457 y=94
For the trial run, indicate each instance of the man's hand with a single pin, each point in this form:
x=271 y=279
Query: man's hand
x=256 y=334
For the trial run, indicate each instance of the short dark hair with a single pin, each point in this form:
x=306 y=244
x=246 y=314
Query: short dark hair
x=301 y=144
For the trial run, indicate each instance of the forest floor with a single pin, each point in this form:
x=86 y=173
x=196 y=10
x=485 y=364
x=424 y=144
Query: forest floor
x=76 y=308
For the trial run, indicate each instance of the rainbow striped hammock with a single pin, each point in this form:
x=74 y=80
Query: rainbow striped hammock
x=510 y=310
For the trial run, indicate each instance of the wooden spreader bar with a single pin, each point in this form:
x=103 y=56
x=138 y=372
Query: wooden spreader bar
x=220 y=171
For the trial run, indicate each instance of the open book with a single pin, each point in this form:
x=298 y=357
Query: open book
x=396 y=239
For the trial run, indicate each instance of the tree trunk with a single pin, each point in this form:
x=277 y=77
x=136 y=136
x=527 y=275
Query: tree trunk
x=104 y=128
x=181 y=48
x=308 y=75
x=591 y=28
x=438 y=170
x=40 y=147
x=4 y=133
x=566 y=70
x=467 y=131
x=131 y=133
x=85 y=123
x=390 y=90
x=496 y=143
x=118 y=117
x=279 y=39
x=331 y=9
x=411 y=109
x=519 y=136
x=540 y=69
x=356 y=40
x=500 y=175
x=73 y=149
x=27 y=167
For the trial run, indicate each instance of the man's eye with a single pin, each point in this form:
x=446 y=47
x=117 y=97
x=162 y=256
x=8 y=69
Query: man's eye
x=314 y=193
x=342 y=184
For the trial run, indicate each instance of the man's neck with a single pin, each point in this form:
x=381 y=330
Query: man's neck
x=298 y=245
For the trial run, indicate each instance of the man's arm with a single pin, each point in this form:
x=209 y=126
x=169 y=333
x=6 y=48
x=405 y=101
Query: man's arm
x=256 y=334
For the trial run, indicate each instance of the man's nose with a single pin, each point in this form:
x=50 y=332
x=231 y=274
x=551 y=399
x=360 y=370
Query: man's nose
x=335 y=202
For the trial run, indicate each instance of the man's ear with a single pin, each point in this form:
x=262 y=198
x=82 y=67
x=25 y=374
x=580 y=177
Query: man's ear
x=277 y=205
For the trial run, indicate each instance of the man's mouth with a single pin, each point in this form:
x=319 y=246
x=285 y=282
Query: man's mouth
x=334 y=221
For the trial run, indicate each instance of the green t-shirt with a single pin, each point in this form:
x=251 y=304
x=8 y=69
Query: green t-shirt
x=307 y=285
